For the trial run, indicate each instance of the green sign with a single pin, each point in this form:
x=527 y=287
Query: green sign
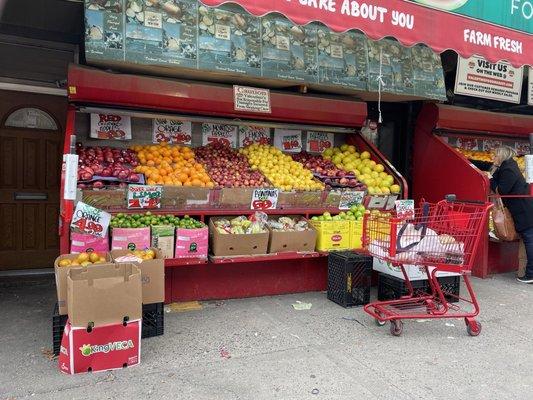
x=515 y=14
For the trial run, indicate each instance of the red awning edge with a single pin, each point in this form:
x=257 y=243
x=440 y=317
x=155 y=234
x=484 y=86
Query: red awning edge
x=409 y=23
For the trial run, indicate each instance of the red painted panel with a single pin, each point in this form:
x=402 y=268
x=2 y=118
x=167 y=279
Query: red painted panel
x=92 y=86
x=503 y=257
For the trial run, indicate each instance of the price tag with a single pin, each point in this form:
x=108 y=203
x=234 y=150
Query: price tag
x=217 y=133
x=110 y=126
x=490 y=145
x=264 y=199
x=405 y=208
x=350 y=198
x=90 y=220
x=289 y=140
x=253 y=134
x=144 y=196
x=317 y=142
x=171 y=131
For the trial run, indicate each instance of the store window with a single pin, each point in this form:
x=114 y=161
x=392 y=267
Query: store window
x=31 y=118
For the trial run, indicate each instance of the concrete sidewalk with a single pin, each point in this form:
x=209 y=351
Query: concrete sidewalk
x=262 y=348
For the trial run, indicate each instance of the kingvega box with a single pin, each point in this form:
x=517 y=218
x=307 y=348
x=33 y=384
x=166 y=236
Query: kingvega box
x=229 y=40
x=104 y=30
x=161 y=32
x=342 y=59
x=289 y=51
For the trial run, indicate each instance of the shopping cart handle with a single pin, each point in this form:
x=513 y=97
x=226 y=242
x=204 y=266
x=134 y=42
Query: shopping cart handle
x=452 y=198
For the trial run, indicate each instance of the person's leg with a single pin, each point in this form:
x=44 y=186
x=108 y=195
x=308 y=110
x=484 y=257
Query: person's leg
x=527 y=237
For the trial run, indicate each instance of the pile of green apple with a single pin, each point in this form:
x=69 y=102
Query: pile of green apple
x=355 y=213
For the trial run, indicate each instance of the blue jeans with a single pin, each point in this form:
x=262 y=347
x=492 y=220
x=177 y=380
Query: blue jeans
x=527 y=237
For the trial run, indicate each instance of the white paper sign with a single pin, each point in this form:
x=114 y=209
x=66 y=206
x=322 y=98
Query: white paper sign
x=171 y=131
x=351 y=198
x=530 y=87
x=289 y=140
x=70 y=171
x=110 y=126
x=264 y=199
x=496 y=81
x=217 y=133
x=251 y=99
x=490 y=145
x=254 y=134
x=317 y=142
x=405 y=208
x=529 y=168
x=90 y=220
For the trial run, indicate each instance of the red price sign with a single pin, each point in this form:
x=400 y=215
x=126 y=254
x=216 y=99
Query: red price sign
x=261 y=205
x=90 y=220
x=219 y=134
x=264 y=199
x=289 y=144
x=288 y=140
x=317 y=142
x=219 y=140
x=171 y=131
x=144 y=196
x=253 y=134
x=88 y=227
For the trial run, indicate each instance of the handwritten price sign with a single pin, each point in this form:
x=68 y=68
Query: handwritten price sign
x=288 y=140
x=264 y=199
x=144 y=196
x=254 y=134
x=171 y=131
x=405 y=208
x=351 y=198
x=317 y=142
x=219 y=134
x=110 y=126
x=90 y=220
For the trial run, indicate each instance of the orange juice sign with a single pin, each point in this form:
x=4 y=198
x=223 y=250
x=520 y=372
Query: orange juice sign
x=144 y=196
x=219 y=134
x=171 y=131
x=90 y=220
x=110 y=126
x=264 y=199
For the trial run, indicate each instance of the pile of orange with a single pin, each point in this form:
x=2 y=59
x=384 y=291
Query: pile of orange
x=164 y=164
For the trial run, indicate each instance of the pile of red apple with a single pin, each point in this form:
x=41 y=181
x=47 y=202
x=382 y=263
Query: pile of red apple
x=326 y=171
x=227 y=168
x=105 y=162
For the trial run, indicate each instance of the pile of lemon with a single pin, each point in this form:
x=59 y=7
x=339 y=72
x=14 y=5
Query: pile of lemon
x=280 y=169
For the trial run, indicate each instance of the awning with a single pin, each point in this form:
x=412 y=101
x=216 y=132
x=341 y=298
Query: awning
x=408 y=22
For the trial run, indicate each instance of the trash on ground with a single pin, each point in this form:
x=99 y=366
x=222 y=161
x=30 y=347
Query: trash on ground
x=185 y=306
x=449 y=324
x=300 y=306
x=224 y=353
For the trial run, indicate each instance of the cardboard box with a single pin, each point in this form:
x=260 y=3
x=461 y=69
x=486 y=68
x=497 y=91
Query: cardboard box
x=192 y=243
x=61 y=274
x=414 y=272
x=152 y=276
x=356 y=234
x=292 y=241
x=236 y=245
x=332 y=235
x=130 y=238
x=104 y=295
x=163 y=239
x=80 y=243
x=101 y=349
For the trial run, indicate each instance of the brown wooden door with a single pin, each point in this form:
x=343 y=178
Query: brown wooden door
x=30 y=164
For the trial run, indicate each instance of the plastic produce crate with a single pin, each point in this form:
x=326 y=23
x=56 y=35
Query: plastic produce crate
x=349 y=278
x=392 y=288
x=152 y=324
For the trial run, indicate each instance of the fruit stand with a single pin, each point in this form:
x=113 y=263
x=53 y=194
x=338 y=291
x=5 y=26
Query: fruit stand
x=452 y=148
x=204 y=183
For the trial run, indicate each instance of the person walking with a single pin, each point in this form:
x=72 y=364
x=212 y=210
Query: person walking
x=508 y=180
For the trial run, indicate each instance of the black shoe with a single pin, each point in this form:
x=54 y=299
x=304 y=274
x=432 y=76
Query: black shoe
x=525 y=279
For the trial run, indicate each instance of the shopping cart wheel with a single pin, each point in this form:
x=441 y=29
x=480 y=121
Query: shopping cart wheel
x=377 y=321
x=396 y=327
x=473 y=327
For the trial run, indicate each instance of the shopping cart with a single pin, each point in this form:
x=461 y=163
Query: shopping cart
x=438 y=237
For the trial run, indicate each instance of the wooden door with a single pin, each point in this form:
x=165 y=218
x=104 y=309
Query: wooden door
x=30 y=164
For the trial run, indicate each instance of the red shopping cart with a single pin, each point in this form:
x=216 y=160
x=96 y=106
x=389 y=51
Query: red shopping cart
x=438 y=237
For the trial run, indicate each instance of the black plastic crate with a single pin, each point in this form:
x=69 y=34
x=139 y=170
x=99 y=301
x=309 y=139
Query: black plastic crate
x=152 y=324
x=349 y=278
x=392 y=288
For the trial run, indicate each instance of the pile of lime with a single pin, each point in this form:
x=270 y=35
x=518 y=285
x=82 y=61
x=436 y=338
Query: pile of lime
x=147 y=219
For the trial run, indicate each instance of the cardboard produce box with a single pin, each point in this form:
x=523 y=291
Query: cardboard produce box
x=332 y=235
x=163 y=239
x=192 y=243
x=61 y=274
x=80 y=243
x=130 y=238
x=292 y=240
x=104 y=295
x=236 y=245
x=153 y=275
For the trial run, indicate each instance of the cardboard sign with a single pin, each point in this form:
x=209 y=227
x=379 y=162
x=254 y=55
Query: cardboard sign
x=478 y=77
x=254 y=134
x=171 y=131
x=110 y=126
x=90 y=220
x=317 y=142
x=264 y=199
x=217 y=133
x=144 y=196
x=351 y=198
x=289 y=140
x=405 y=208
x=251 y=99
